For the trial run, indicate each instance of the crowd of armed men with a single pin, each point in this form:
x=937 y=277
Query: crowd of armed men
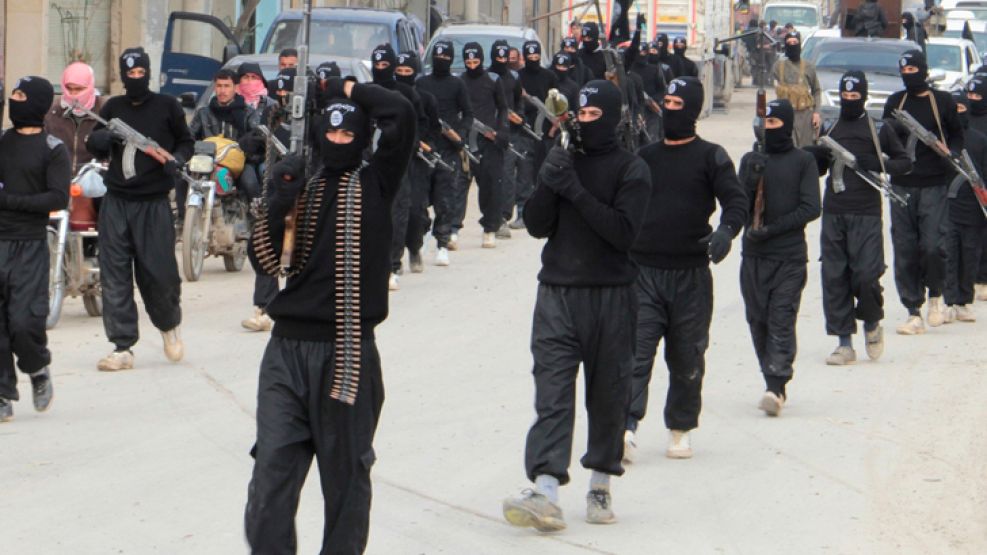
x=625 y=264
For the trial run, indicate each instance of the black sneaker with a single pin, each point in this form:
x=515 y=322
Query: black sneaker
x=6 y=410
x=42 y=390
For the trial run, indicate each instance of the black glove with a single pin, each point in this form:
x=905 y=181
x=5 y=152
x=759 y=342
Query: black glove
x=718 y=243
x=173 y=168
x=334 y=88
x=868 y=162
x=100 y=142
x=556 y=168
x=503 y=139
x=756 y=164
x=823 y=157
x=758 y=235
x=288 y=176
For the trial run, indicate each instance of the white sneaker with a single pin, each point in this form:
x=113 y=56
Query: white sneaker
x=965 y=314
x=679 y=446
x=442 y=257
x=392 y=283
x=874 y=342
x=489 y=241
x=980 y=291
x=842 y=356
x=116 y=361
x=912 y=326
x=453 y=244
x=630 y=447
x=771 y=403
x=174 y=349
x=260 y=321
x=949 y=316
x=936 y=315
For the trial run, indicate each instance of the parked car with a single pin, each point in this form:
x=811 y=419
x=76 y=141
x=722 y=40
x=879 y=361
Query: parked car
x=336 y=33
x=956 y=58
x=812 y=40
x=461 y=33
x=804 y=15
x=977 y=27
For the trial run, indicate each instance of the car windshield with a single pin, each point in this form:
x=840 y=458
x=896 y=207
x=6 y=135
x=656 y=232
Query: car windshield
x=333 y=38
x=980 y=39
x=796 y=15
x=865 y=56
x=946 y=57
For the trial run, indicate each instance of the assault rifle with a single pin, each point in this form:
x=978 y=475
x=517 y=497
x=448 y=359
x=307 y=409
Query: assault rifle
x=844 y=159
x=543 y=112
x=432 y=158
x=299 y=129
x=133 y=141
x=278 y=145
x=761 y=116
x=480 y=128
x=457 y=140
x=516 y=119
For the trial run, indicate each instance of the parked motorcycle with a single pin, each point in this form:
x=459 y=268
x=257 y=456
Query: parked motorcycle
x=215 y=215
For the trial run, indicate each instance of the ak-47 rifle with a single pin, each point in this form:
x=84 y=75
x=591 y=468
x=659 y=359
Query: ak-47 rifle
x=615 y=73
x=757 y=221
x=962 y=162
x=480 y=128
x=516 y=119
x=432 y=158
x=457 y=140
x=543 y=112
x=844 y=159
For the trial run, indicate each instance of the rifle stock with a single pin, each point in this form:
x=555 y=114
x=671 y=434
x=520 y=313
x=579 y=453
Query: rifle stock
x=761 y=109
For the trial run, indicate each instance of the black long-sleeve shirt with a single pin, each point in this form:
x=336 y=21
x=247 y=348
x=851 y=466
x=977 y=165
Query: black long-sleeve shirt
x=929 y=169
x=859 y=197
x=453 y=102
x=591 y=230
x=35 y=171
x=433 y=129
x=791 y=200
x=305 y=308
x=159 y=118
x=537 y=82
x=487 y=99
x=686 y=182
x=964 y=208
x=593 y=61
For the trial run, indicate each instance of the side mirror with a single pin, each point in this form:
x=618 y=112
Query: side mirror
x=188 y=99
x=230 y=51
x=936 y=75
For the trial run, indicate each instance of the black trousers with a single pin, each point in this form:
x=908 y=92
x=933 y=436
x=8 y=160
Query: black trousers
x=444 y=184
x=676 y=305
x=595 y=326
x=772 y=291
x=297 y=420
x=513 y=168
x=24 y=267
x=419 y=222
x=918 y=234
x=400 y=213
x=852 y=255
x=964 y=245
x=527 y=171
x=137 y=240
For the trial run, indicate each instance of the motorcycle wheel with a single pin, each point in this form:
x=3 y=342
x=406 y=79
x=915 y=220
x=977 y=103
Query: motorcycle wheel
x=56 y=293
x=93 y=302
x=193 y=244
x=234 y=262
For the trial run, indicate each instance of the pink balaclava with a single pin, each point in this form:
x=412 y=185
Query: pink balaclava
x=79 y=74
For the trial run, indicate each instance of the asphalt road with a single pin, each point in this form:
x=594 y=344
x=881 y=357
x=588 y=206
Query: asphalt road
x=883 y=457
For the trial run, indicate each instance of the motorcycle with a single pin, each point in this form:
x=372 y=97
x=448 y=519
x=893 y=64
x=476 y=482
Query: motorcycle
x=74 y=263
x=215 y=215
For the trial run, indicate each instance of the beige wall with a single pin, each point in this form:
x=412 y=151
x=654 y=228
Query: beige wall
x=25 y=28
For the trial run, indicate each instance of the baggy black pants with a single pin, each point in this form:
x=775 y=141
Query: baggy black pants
x=595 y=326
x=420 y=177
x=982 y=272
x=137 y=240
x=852 y=255
x=918 y=234
x=527 y=171
x=772 y=291
x=24 y=267
x=296 y=419
x=400 y=212
x=964 y=245
x=487 y=173
x=676 y=305
x=444 y=184
x=508 y=178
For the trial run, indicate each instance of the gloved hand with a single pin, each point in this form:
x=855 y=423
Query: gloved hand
x=334 y=88
x=641 y=21
x=868 y=162
x=758 y=235
x=100 y=142
x=288 y=176
x=503 y=139
x=823 y=157
x=173 y=168
x=718 y=243
x=756 y=163
x=556 y=170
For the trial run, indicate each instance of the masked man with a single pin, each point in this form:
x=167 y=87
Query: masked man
x=797 y=83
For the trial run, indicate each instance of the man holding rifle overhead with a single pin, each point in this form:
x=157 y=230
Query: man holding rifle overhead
x=136 y=226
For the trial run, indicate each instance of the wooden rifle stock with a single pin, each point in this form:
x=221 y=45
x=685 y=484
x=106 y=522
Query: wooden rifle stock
x=290 y=231
x=762 y=111
x=514 y=118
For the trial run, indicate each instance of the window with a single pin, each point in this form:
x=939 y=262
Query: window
x=332 y=38
x=944 y=56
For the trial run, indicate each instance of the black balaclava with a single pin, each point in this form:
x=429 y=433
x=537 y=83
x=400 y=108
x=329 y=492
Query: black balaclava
x=473 y=51
x=959 y=96
x=679 y=46
x=31 y=112
x=654 y=59
x=853 y=81
x=570 y=43
x=531 y=47
x=907 y=20
x=327 y=70
x=793 y=51
x=383 y=53
x=978 y=85
x=343 y=114
x=408 y=59
x=285 y=81
x=563 y=59
x=641 y=57
x=662 y=41
x=499 y=49
x=440 y=67
x=914 y=82
x=681 y=124
x=137 y=89
x=591 y=36
x=780 y=140
x=601 y=135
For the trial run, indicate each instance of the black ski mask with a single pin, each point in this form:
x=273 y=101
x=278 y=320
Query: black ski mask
x=284 y=82
x=780 y=139
x=440 y=66
x=679 y=46
x=600 y=135
x=563 y=59
x=31 y=111
x=962 y=107
x=346 y=115
x=907 y=20
x=531 y=48
x=853 y=81
x=793 y=51
x=570 y=44
x=473 y=51
x=499 y=49
x=383 y=53
x=410 y=60
x=978 y=85
x=662 y=41
x=138 y=88
x=327 y=70
x=915 y=83
x=681 y=124
x=654 y=58
x=591 y=36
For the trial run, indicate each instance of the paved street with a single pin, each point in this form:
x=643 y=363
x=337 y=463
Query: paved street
x=881 y=457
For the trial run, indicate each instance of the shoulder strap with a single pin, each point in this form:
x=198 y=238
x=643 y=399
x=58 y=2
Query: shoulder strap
x=935 y=114
x=877 y=143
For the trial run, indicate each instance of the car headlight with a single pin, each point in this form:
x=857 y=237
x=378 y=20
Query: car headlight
x=201 y=163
